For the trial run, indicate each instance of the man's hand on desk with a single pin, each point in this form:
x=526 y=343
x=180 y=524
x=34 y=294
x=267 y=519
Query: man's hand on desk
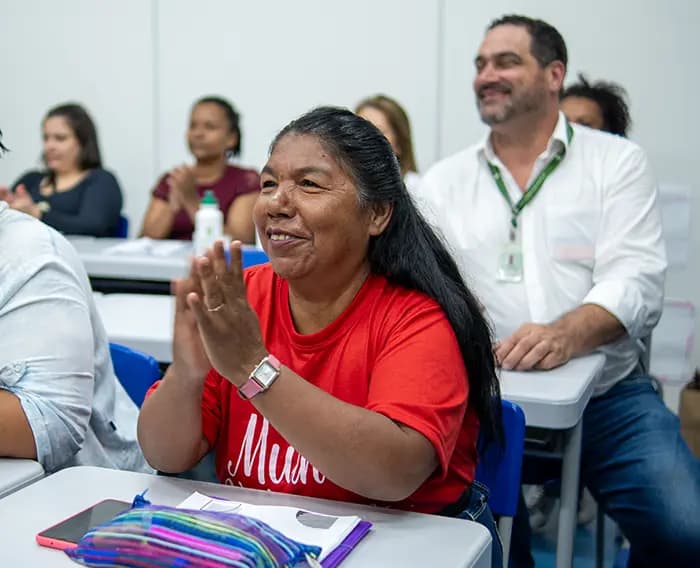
x=545 y=346
x=534 y=346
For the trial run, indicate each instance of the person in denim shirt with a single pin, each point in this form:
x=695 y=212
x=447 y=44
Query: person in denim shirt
x=60 y=402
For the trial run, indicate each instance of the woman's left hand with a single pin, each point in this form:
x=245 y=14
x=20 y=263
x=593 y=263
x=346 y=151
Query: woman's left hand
x=23 y=202
x=227 y=324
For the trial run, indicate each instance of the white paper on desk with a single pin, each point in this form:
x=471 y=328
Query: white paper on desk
x=150 y=247
x=326 y=531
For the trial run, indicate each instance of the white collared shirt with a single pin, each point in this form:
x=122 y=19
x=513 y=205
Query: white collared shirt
x=591 y=235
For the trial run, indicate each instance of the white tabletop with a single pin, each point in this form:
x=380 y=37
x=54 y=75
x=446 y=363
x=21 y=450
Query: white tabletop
x=16 y=473
x=397 y=538
x=139 y=321
x=164 y=262
x=142 y=259
x=557 y=398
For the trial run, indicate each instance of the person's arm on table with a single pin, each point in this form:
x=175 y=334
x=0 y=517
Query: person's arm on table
x=545 y=346
x=628 y=277
x=16 y=438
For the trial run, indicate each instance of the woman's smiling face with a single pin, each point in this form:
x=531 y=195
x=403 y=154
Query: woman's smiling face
x=308 y=213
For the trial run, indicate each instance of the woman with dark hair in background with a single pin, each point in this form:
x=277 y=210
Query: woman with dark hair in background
x=601 y=105
x=213 y=136
x=363 y=363
x=74 y=194
x=392 y=120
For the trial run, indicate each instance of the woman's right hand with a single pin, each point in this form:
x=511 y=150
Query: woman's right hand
x=190 y=361
x=182 y=181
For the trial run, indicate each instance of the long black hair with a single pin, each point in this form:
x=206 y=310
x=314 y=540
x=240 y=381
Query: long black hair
x=2 y=148
x=409 y=253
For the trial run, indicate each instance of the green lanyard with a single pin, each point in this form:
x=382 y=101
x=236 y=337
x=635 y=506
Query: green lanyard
x=531 y=192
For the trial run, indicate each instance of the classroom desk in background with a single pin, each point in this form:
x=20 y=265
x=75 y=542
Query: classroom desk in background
x=397 y=538
x=141 y=265
x=556 y=400
x=16 y=473
x=140 y=321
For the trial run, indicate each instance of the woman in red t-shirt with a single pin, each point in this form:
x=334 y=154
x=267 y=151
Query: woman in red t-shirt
x=213 y=136
x=356 y=365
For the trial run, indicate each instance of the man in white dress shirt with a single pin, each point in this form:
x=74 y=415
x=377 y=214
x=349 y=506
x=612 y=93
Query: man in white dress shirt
x=556 y=228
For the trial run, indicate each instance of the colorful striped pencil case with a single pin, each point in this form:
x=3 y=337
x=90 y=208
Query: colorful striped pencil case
x=150 y=535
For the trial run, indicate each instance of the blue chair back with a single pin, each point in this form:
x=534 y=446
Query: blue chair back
x=123 y=228
x=499 y=468
x=252 y=256
x=135 y=370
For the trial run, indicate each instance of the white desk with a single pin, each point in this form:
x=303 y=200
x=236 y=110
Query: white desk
x=397 y=538
x=16 y=473
x=556 y=399
x=142 y=260
x=139 y=321
x=99 y=262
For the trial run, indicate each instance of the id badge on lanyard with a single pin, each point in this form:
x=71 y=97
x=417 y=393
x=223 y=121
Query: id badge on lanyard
x=510 y=258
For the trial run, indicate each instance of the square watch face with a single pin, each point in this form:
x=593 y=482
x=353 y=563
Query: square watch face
x=265 y=373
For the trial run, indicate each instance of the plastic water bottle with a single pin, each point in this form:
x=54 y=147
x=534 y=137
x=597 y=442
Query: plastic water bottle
x=208 y=223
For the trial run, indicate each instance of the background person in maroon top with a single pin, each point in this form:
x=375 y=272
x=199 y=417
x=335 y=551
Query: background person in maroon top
x=213 y=136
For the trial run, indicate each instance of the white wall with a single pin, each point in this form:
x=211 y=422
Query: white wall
x=98 y=54
x=138 y=65
x=276 y=60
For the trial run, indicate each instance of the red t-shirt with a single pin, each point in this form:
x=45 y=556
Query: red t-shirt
x=391 y=351
x=234 y=182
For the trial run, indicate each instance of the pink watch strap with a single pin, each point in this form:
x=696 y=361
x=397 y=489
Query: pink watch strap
x=252 y=387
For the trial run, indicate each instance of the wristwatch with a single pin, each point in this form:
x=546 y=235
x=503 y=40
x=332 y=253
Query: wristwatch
x=261 y=378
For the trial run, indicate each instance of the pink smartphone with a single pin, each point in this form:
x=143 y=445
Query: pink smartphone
x=68 y=532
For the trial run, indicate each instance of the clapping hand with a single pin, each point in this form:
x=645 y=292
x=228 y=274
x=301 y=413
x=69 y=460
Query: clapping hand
x=228 y=326
x=22 y=201
x=183 y=186
x=6 y=194
x=190 y=360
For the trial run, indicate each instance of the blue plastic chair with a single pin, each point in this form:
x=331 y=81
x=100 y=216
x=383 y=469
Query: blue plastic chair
x=123 y=228
x=135 y=370
x=252 y=256
x=499 y=469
